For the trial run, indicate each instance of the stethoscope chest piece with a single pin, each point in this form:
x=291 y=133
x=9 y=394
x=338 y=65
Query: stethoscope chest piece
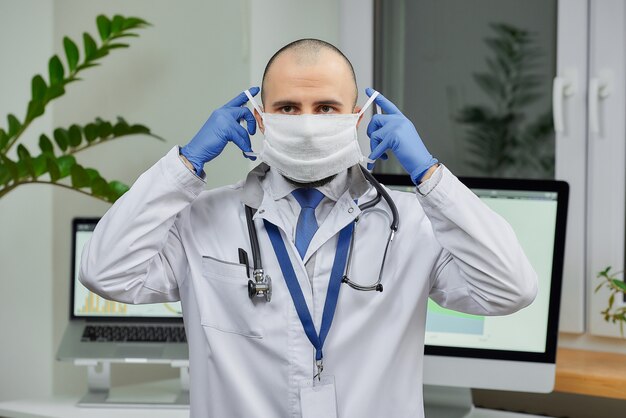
x=261 y=286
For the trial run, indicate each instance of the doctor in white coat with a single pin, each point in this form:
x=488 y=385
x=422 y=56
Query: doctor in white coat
x=318 y=347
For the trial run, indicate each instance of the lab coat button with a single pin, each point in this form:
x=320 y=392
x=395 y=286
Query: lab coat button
x=350 y=210
x=262 y=211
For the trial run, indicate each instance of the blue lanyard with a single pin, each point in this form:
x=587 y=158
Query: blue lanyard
x=334 y=284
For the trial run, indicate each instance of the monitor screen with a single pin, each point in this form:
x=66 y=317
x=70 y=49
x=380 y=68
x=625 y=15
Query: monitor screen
x=512 y=352
x=89 y=304
x=532 y=214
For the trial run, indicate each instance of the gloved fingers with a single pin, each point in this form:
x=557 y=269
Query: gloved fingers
x=379 y=144
x=240 y=113
x=377 y=122
x=240 y=138
x=241 y=99
x=383 y=102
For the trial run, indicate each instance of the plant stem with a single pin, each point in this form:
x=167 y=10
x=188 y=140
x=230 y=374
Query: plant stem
x=101 y=141
x=7 y=189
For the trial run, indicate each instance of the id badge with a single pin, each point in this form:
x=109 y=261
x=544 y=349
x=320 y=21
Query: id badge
x=318 y=398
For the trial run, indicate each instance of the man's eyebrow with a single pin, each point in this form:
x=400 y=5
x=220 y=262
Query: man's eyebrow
x=282 y=103
x=328 y=102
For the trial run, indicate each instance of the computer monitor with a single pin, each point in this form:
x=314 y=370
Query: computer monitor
x=87 y=304
x=515 y=352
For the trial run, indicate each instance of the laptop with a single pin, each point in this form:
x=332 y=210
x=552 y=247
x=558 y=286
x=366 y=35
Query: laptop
x=101 y=329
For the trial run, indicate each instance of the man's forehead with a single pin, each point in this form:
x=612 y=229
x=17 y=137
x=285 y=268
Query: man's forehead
x=325 y=76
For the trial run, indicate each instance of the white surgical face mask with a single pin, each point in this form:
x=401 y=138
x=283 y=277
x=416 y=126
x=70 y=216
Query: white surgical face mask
x=308 y=148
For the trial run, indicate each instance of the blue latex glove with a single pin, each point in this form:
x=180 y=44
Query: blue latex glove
x=221 y=127
x=393 y=131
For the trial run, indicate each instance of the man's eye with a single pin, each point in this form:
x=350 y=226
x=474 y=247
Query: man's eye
x=287 y=109
x=326 y=109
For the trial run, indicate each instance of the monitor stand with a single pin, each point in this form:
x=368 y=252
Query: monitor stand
x=99 y=387
x=447 y=402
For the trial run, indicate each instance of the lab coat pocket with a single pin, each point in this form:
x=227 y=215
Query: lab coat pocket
x=225 y=305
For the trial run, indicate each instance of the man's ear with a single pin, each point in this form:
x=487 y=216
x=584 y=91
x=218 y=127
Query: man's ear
x=357 y=109
x=259 y=121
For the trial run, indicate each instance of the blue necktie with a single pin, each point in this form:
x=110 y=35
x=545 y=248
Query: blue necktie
x=307 y=224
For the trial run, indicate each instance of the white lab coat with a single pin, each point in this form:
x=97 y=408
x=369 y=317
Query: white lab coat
x=168 y=239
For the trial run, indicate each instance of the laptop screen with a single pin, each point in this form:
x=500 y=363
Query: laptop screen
x=88 y=304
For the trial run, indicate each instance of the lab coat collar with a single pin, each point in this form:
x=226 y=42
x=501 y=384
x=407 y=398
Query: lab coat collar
x=351 y=179
x=261 y=194
x=254 y=192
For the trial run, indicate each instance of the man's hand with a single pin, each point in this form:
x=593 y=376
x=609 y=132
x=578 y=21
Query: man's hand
x=221 y=127
x=392 y=130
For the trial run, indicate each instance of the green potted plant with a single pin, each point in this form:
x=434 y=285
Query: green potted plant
x=501 y=141
x=55 y=161
x=617 y=289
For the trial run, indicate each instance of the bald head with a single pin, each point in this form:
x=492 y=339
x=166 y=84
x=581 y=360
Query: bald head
x=306 y=64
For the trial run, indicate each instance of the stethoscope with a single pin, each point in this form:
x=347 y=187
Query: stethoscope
x=260 y=285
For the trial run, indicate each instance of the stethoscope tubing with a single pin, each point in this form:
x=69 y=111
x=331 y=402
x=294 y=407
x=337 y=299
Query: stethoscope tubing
x=381 y=193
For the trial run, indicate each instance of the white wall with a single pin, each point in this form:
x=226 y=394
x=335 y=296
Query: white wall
x=25 y=213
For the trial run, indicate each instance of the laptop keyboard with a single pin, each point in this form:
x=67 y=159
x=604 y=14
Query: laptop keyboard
x=129 y=333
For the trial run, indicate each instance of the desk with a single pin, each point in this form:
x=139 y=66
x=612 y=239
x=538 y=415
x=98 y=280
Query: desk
x=65 y=406
x=591 y=373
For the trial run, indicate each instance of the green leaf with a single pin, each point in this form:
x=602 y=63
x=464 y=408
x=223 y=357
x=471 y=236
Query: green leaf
x=116 y=24
x=65 y=163
x=38 y=88
x=104 y=128
x=80 y=178
x=45 y=144
x=54 y=91
x=118 y=45
x=121 y=127
x=62 y=138
x=53 y=169
x=100 y=53
x=87 y=65
x=104 y=26
x=117 y=189
x=139 y=129
x=4 y=139
x=125 y=35
x=35 y=108
x=39 y=164
x=92 y=173
x=620 y=284
x=99 y=187
x=4 y=175
x=75 y=136
x=598 y=287
x=11 y=167
x=14 y=125
x=90 y=46
x=24 y=157
x=71 y=52
x=611 y=300
x=90 y=132
x=133 y=22
x=56 y=70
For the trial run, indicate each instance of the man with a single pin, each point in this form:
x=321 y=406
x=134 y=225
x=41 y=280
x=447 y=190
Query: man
x=168 y=239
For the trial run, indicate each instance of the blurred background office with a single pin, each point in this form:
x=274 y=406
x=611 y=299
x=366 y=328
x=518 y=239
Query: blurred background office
x=467 y=73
